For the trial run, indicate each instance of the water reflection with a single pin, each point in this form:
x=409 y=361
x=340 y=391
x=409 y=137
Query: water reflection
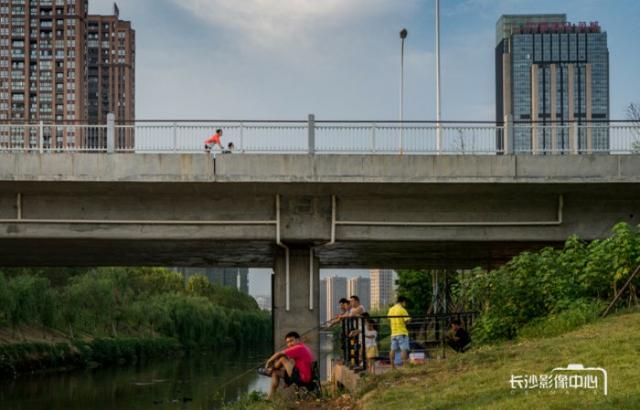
x=200 y=381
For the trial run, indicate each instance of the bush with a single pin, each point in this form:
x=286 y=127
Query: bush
x=227 y=297
x=579 y=313
x=534 y=285
x=29 y=357
x=111 y=302
x=6 y=302
x=32 y=301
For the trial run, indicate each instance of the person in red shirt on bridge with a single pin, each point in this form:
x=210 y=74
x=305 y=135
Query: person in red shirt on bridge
x=294 y=364
x=214 y=140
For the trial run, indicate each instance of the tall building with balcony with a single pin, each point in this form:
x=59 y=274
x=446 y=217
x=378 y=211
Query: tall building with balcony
x=46 y=74
x=42 y=68
x=552 y=78
x=111 y=55
x=382 y=292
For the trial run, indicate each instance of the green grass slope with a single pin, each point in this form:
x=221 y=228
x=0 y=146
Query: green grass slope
x=480 y=378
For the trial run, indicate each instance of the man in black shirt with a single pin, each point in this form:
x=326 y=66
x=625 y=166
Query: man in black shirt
x=458 y=338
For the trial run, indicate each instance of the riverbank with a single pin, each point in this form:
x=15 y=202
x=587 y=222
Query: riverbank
x=481 y=379
x=31 y=356
x=118 y=315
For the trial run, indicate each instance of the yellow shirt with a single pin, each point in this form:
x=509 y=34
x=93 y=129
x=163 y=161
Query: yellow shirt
x=398 y=325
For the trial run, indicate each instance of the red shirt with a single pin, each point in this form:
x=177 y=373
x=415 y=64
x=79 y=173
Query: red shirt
x=214 y=139
x=303 y=356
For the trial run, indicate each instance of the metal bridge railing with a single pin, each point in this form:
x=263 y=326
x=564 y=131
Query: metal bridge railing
x=427 y=335
x=328 y=137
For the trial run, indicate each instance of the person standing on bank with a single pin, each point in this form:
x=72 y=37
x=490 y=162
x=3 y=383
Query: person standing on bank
x=399 y=333
x=356 y=311
x=213 y=140
x=356 y=308
x=371 y=345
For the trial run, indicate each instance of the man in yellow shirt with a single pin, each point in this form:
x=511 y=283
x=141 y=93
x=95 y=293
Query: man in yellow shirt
x=399 y=333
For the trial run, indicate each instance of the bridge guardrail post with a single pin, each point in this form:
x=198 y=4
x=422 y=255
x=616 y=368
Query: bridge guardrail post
x=573 y=138
x=373 y=137
x=241 y=147
x=111 y=133
x=175 y=137
x=41 y=136
x=508 y=135
x=311 y=125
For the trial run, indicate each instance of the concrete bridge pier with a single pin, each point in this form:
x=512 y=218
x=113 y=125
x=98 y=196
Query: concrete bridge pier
x=295 y=296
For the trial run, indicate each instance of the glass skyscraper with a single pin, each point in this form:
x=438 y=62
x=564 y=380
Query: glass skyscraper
x=552 y=80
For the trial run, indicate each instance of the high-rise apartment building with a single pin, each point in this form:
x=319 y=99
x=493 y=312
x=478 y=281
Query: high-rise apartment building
x=45 y=70
x=361 y=287
x=42 y=67
x=111 y=71
x=336 y=289
x=381 y=288
x=553 y=75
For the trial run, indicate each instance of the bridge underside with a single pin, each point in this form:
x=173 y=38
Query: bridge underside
x=375 y=225
x=84 y=252
x=376 y=211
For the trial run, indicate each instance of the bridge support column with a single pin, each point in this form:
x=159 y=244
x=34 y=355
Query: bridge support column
x=303 y=314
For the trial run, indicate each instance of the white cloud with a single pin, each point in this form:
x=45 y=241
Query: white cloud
x=281 y=23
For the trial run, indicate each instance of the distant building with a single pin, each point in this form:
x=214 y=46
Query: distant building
x=232 y=277
x=360 y=287
x=264 y=302
x=552 y=74
x=42 y=68
x=60 y=65
x=111 y=69
x=382 y=293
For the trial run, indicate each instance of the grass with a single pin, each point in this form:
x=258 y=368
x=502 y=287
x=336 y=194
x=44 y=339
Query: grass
x=480 y=378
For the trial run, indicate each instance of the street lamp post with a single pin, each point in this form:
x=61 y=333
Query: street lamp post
x=438 y=112
x=403 y=36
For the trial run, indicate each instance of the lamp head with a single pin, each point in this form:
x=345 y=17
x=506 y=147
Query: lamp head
x=403 y=33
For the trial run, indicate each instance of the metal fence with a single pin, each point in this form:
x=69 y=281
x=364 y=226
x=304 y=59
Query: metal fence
x=428 y=336
x=328 y=137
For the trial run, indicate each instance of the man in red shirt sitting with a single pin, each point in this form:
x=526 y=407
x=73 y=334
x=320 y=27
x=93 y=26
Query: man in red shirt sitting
x=293 y=364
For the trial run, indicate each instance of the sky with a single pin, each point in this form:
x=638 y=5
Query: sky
x=340 y=59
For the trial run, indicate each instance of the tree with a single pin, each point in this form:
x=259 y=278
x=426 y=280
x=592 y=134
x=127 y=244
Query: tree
x=416 y=286
x=58 y=277
x=155 y=281
x=200 y=285
x=633 y=114
x=224 y=296
x=6 y=301
x=33 y=301
x=94 y=299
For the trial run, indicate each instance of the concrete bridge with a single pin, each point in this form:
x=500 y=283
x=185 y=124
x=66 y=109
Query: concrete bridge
x=297 y=213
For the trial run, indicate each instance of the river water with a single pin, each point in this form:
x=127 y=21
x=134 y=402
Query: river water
x=198 y=381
